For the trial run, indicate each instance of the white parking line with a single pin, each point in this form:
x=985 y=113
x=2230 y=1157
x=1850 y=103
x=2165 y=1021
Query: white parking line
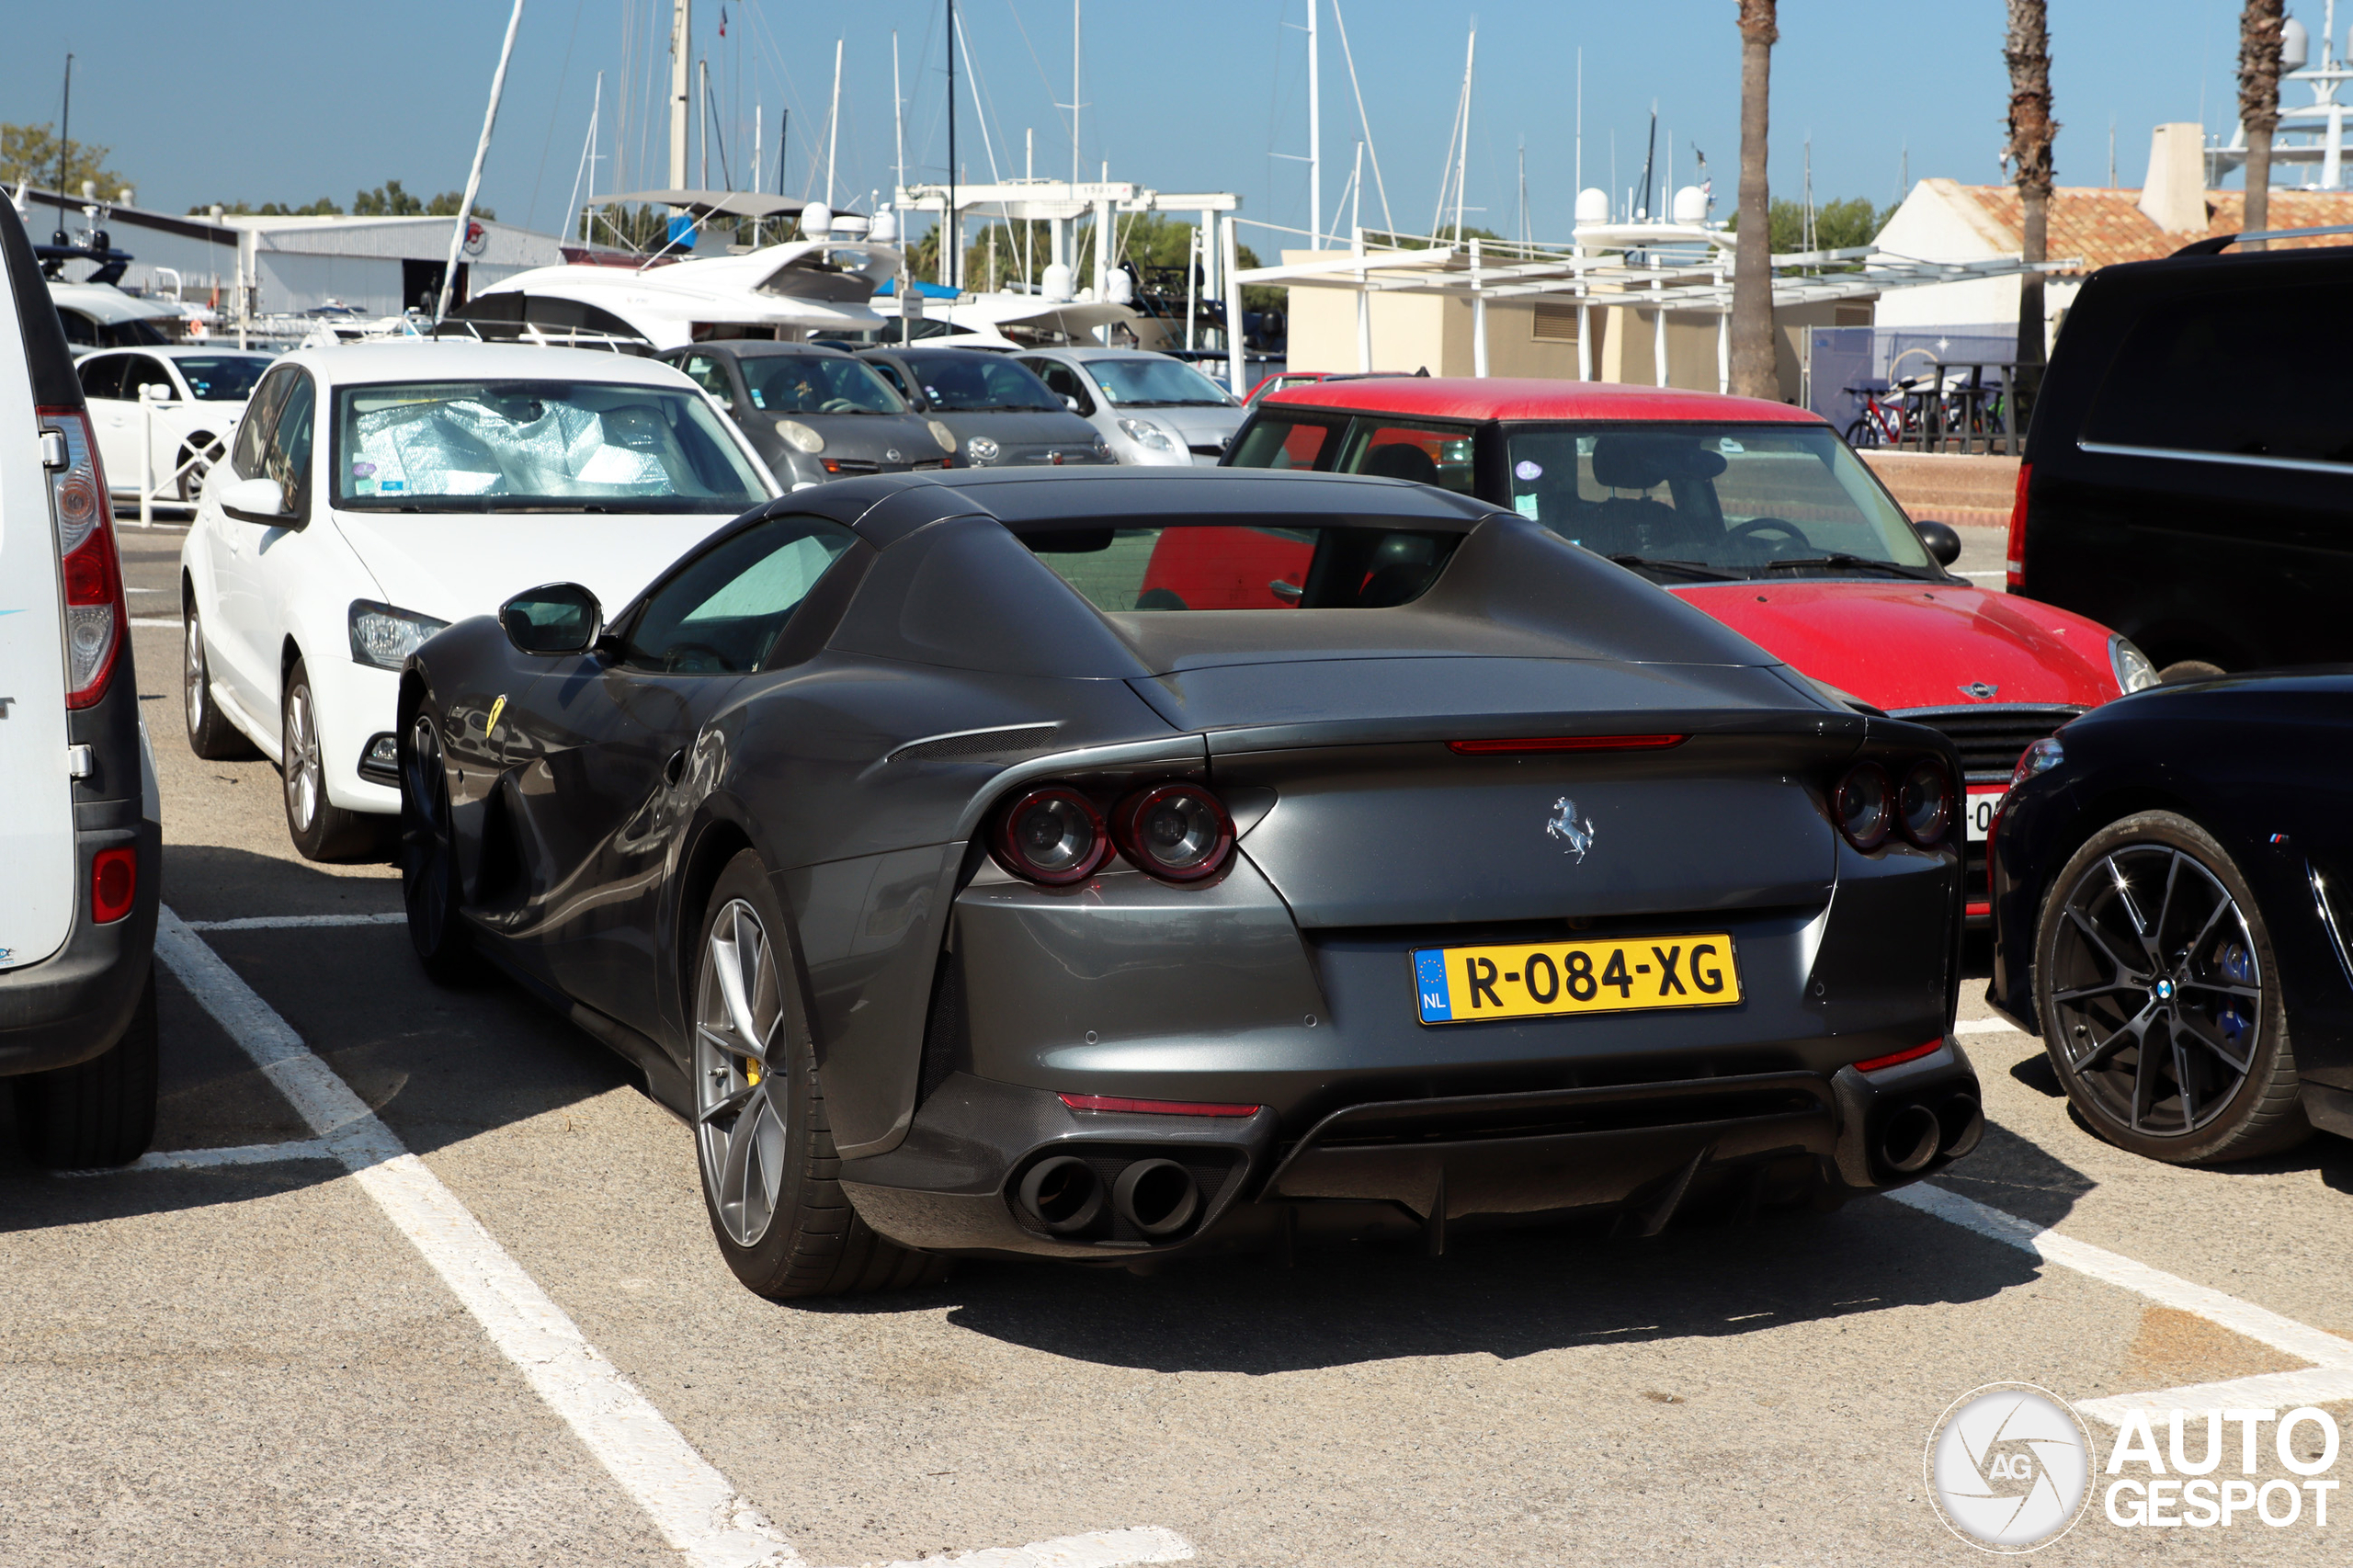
x=294 y=922
x=206 y=1159
x=2331 y=1379
x=695 y=1508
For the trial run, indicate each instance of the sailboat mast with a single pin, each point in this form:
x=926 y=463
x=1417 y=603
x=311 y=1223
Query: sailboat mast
x=1314 y=137
x=474 y=178
x=1074 y=103
x=833 y=124
x=681 y=17
x=898 y=112
x=1462 y=163
x=951 y=234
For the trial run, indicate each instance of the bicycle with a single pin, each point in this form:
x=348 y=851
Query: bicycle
x=1882 y=423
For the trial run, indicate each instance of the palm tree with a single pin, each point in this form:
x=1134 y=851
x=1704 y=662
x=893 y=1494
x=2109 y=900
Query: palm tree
x=1752 y=265
x=2028 y=51
x=2259 y=105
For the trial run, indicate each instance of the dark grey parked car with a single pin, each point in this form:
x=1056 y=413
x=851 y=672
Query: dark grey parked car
x=1002 y=414
x=935 y=881
x=79 y=827
x=813 y=412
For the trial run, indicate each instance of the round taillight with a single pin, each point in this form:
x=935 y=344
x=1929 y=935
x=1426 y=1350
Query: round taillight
x=1177 y=831
x=1925 y=804
x=1051 y=836
x=1864 y=810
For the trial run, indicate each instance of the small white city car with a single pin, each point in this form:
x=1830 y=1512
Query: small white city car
x=1150 y=408
x=194 y=394
x=376 y=493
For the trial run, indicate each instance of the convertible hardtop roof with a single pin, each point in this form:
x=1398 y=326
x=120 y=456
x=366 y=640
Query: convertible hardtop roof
x=1506 y=397
x=884 y=507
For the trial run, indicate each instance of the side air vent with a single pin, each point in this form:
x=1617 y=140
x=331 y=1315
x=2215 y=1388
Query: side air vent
x=967 y=744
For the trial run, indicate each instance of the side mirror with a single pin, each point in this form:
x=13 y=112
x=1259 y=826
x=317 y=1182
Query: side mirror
x=560 y=618
x=256 y=501
x=1943 y=541
x=1070 y=402
x=156 y=391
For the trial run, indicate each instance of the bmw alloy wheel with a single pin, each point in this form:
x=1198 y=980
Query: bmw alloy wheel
x=739 y=1019
x=2157 y=990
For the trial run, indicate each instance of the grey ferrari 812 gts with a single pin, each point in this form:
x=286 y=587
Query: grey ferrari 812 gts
x=969 y=896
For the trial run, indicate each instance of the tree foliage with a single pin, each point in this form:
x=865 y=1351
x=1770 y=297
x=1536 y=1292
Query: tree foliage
x=29 y=153
x=1838 y=225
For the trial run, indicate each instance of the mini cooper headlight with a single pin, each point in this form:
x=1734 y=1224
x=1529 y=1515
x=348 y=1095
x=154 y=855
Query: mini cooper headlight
x=1177 y=831
x=2133 y=670
x=1861 y=806
x=1924 y=805
x=799 y=437
x=981 y=450
x=1149 y=436
x=1052 y=834
x=385 y=637
x=941 y=434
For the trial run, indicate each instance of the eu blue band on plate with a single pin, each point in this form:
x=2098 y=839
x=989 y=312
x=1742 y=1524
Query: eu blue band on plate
x=1430 y=987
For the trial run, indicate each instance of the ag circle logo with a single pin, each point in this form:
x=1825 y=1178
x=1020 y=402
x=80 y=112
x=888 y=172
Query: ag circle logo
x=2010 y=1468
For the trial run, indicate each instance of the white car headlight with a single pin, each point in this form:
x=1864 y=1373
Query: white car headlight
x=943 y=434
x=1149 y=436
x=799 y=437
x=981 y=450
x=2133 y=671
x=385 y=637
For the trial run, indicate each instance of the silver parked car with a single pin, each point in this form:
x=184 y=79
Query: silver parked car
x=1149 y=408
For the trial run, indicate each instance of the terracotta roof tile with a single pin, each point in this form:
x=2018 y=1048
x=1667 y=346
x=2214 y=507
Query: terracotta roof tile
x=2105 y=226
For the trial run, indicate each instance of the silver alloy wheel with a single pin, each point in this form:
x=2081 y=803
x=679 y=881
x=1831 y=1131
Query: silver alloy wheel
x=302 y=759
x=739 y=1024
x=193 y=675
x=2156 y=988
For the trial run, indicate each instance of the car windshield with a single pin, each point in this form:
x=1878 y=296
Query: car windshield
x=1141 y=382
x=1222 y=566
x=535 y=446
x=1685 y=502
x=816 y=383
x=224 y=378
x=969 y=381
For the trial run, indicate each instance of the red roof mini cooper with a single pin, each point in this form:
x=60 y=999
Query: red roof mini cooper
x=1754 y=512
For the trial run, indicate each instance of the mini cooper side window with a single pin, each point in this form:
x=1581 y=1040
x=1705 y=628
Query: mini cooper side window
x=722 y=612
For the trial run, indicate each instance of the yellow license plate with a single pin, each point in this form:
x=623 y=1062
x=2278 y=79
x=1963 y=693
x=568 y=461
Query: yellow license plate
x=1541 y=979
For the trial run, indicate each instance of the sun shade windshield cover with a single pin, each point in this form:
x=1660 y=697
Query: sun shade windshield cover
x=533 y=445
x=1246 y=567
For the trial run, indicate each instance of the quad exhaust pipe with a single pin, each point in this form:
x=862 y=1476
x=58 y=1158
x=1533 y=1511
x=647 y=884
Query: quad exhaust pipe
x=1064 y=1195
x=1910 y=1138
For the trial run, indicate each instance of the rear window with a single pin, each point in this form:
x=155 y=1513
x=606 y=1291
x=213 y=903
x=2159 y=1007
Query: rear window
x=1427 y=453
x=1222 y=566
x=2253 y=374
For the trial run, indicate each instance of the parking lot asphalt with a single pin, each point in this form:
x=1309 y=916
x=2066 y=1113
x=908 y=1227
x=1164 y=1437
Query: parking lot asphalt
x=255 y=1363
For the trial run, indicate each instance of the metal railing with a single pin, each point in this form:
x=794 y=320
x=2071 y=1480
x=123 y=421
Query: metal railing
x=196 y=463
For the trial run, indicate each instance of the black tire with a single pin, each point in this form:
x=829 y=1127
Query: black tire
x=1862 y=433
x=321 y=829
x=775 y=1200
x=190 y=485
x=431 y=888
x=101 y=1112
x=210 y=733
x=2159 y=996
x=2182 y=671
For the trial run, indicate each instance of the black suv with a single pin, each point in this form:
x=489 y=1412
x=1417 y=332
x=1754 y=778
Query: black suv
x=80 y=842
x=2188 y=472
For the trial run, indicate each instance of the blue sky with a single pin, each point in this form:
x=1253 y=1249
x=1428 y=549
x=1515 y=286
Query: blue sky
x=274 y=100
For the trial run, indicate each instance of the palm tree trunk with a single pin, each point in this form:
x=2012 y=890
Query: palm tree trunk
x=1753 y=373
x=2026 y=51
x=2260 y=26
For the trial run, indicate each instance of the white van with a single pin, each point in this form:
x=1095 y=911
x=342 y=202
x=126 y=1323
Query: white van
x=81 y=844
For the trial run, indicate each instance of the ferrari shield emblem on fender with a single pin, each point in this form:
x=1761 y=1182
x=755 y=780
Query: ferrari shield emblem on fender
x=1574 y=829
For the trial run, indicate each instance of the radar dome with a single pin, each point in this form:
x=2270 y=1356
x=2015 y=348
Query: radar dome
x=816 y=221
x=885 y=228
x=1593 y=206
x=1056 y=283
x=2295 y=45
x=1691 y=205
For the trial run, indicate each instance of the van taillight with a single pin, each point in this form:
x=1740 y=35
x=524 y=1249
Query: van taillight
x=2016 y=564
x=79 y=509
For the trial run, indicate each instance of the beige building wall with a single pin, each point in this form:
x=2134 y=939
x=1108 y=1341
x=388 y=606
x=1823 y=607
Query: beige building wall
x=1414 y=331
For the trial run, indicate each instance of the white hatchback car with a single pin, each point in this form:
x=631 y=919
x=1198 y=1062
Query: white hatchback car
x=1150 y=408
x=377 y=493
x=197 y=393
